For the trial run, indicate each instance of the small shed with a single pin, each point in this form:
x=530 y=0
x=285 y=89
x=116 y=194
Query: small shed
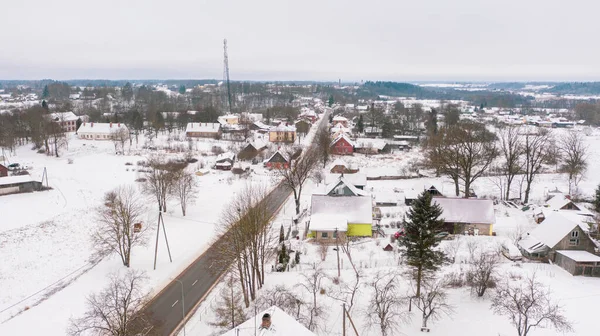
x=3 y=171
x=388 y=248
x=578 y=262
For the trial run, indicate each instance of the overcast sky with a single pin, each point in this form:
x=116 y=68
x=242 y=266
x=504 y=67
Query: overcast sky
x=301 y=39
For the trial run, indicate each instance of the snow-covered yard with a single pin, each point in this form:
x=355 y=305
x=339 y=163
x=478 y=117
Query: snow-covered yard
x=44 y=236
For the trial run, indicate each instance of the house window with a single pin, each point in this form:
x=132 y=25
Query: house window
x=575 y=234
x=573 y=241
x=324 y=235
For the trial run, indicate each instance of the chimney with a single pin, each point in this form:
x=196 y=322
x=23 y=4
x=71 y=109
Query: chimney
x=110 y=125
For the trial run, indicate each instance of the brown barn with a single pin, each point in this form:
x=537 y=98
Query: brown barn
x=251 y=150
x=203 y=130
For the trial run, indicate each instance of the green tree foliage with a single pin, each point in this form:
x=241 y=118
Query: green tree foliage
x=387 y=130
x=421 y=225
x=182 y=89
x=284 y=256
x=158 y=123
x=281 y=235
x=431 y=123
x=46 y=93
x=45 y=105
x=597 y=199
x=127 y=91
x=330 y=101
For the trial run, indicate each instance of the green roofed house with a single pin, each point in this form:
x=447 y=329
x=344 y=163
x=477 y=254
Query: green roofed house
x=341 y=209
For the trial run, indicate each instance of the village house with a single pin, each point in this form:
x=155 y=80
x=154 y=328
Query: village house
x=340 y=167
x=338 y=130
x=282 y=133
x=251 y=150
x=342 y=145
x=277 y=161
x=66 y=120
x=562 y=203
x=564 y=242
x=18 y=184
x=203 y=130
x=225 y=161
x=467 y=215
x=340 y=210
x=259 y=127
x=339 y=120
x=100 y=131
x=270 y=322
x=229 y=119
x=3 y=171
x=386 y=199
x=373 y=131
x=410 y=195
x=309 y=114
x=369 y=146
x=302 y=126
x=358 y=180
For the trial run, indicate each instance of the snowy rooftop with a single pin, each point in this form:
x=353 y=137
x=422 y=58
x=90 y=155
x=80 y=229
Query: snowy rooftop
x=378 y=144
x=467 y=210
x=226 y=156
x=282 y=324
x=283 y=128
x=15 y=179
x=203 y=127
x=580 y=256
x=342 y=136
x=102 y=128
x=339 y=118
x=357 y=210
x=339 y=182
x=63 y=116
x=339 y=162
x=328 y=222
x=552 y=230
x=357 y=179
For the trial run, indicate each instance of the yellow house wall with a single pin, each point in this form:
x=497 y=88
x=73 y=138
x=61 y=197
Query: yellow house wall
x=359 y=230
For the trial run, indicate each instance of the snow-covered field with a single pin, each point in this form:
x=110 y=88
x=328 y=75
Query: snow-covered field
x=44 y=236
x=471 y=316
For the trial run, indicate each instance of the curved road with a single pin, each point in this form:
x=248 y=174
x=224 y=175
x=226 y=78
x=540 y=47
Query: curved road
x=199 y=278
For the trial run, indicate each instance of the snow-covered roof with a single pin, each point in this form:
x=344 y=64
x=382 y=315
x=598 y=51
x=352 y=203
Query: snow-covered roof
x=358 y=179
x=467 y=210
x=283 y=128
x=340 y=137
x=558 y=201
x=340 y=128
x=15 y=179
x=579 y=256
x=100 y=128
x=552 y=230
x=226 y=156
x=336 y=210
x=257 y=144
x=223 y=164
x=203 y=127
x=343 y=180
x=378 y=144
x=285 y=157
x=282 y=324
x=386 y=197
x=261 y=125
x=339 y=162
x=63 y=116
x=339 y=118
x=328 y=222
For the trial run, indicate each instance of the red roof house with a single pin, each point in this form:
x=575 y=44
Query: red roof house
x=342 y=145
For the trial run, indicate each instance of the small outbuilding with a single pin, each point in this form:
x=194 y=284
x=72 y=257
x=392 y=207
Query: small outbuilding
x=578 y=262
x=3 y=171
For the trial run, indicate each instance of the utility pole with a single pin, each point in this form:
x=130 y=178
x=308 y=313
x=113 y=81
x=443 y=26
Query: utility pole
x=337 y=249
x=160 y=220
x=351 y=322
x=226 y=72
x=344 y=319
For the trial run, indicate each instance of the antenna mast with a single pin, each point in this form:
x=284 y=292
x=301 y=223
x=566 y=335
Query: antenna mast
x=226 y=73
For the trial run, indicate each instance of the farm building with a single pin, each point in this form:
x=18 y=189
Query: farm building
x=358 y=180
x=100 y=131
x=472 y=215
x=563 y=204
x=18 y=184
x=578 y=262
x=277 y=161
x=340 y=167
x=251 y=150
x=67 y=120
x=369 y=146
x=282 y=133
x=225 y=161
x=203 y=130
x=342 y=145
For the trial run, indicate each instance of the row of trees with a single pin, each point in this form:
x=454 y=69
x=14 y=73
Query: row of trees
x=467 y=151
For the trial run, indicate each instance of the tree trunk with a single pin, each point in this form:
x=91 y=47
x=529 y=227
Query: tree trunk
x=419 y=275
x=456 y=186
x=527 y=190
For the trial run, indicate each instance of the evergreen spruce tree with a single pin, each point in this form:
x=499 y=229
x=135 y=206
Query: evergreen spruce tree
x=45 y=105
x=182 y=89
x=297 y=257
x=281 y=235
x=421 y=225
x=597 y=199
x=284 y=256
x=46 y=92
x=361 y=124
x=330 y=101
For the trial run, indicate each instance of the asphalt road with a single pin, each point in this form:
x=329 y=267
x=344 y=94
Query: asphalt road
x=198 y=278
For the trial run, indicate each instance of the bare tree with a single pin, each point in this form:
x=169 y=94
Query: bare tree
x=117 y=310
x=452 y=247
x=160 y=180
x=511 y=150
x=528 y=305
x=517 y=234
x=535 y=147
x=311 y=283
x=323 y=145
x=283 y=298
x=246 y=241
x=323 y=247
x=57 y=136
x=574 y=163
x=385 y=306
x=482 y=272
x=433 y=302
x=184 y=188
x=119 y=136
x=299 y=170
x=229 y=312
x=116 y=233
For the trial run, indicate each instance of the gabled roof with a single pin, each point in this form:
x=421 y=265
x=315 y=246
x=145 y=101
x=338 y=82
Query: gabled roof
x=329 y=212
x=339 y=118
x=339 y=162
x=261 y=125
x=15 y=179
x=281 y=154
x=282 y=324
x=63 y=116
x=283 y=128
x=226 y=156
x=558 y=201
x=257 y=144
x=203 y=127
x=466 y=210
x=551 y=231
x=340 y=128
x=340 y=137
x=343 y=181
